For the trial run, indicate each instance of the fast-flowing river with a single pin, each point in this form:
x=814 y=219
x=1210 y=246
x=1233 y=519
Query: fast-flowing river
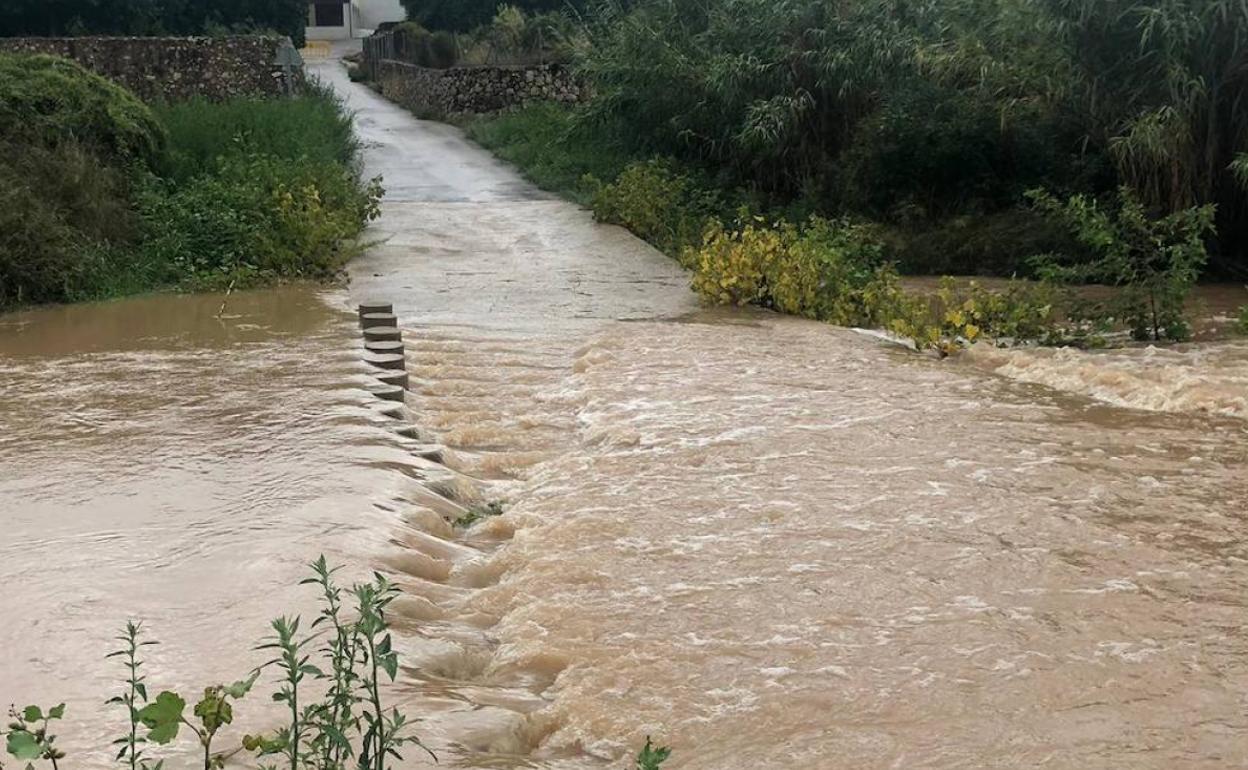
x=767 y=542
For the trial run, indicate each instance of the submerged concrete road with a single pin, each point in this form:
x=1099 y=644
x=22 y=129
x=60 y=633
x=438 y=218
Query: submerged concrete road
x=464 y=240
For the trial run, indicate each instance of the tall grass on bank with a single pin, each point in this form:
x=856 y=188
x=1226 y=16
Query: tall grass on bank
x=311 y=127
x=549 y=148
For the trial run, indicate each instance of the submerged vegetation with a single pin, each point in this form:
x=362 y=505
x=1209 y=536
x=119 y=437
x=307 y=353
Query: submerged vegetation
x=329 y=677
x=1068 y=141
x=102 y=195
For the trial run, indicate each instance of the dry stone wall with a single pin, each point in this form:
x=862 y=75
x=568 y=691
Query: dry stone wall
x=458 y=90
x=171 y=68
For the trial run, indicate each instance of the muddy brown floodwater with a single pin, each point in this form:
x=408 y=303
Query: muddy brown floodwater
x=767 y=542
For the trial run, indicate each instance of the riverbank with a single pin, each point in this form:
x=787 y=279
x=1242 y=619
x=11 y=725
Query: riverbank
x=105 y=196
x=840 y=270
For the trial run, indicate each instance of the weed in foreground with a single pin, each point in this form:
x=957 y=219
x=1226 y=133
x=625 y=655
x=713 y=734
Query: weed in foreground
x=345 y=723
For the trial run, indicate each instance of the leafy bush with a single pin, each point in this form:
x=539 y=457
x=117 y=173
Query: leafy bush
x=1023 y=312
x=415 y=44
x=98 y=199
x=657 y=203
x=932 y=152
x=45 y=100
x=1242 y=320
x=65 y=219
x=254 y=217
x=834 y=271
x=819 y=271
x=1155 y=259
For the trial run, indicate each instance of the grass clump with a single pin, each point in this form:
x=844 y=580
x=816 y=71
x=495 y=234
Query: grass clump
x=310 y=127
x=551 y=148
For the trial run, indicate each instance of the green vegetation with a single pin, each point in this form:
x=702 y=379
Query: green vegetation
x=345 y=721
x=340 y=721
x=717 y=130
x=103 y=196
x=1154 y=260
x=512 y=36
x=152 y=17
x=1242 y=320
x=478 y=512
x=464 y=15
x=549 y=148
x=46 y=101
x=652 y=757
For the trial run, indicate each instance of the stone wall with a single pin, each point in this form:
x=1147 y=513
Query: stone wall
x=458 y=90
x=171 y=68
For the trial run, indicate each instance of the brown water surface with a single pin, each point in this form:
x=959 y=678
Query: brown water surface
x=159 y=462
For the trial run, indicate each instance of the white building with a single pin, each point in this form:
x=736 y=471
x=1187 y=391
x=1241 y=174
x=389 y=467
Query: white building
x=345 y=19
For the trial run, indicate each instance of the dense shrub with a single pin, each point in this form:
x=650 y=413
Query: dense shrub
x=255 y=217
x=918 y=113
x=98 y=199
x=61 y=211
x=417 y=45
x=931 y=152
x=464 y=15
x=834 y=271
x=1155 y=259
x=819 y=271
x=46 y=100
x=997 y=243
x=657 y=203
x=511 y=36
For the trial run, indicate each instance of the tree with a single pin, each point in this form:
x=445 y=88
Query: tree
x=151 y=17
x=1163 y=85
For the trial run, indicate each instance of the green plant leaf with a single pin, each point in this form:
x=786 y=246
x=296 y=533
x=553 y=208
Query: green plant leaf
x=32 y=714
x=57 y=711
x=23 y=745
x=242 y=687
x=163 y=716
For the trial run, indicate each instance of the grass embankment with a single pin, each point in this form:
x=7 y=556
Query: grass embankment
x=102 y=195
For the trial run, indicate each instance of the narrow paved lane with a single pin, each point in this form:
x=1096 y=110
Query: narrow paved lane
x=463 y=239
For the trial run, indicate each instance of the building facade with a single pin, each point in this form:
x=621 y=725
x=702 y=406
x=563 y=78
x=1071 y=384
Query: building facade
x=334 y=20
